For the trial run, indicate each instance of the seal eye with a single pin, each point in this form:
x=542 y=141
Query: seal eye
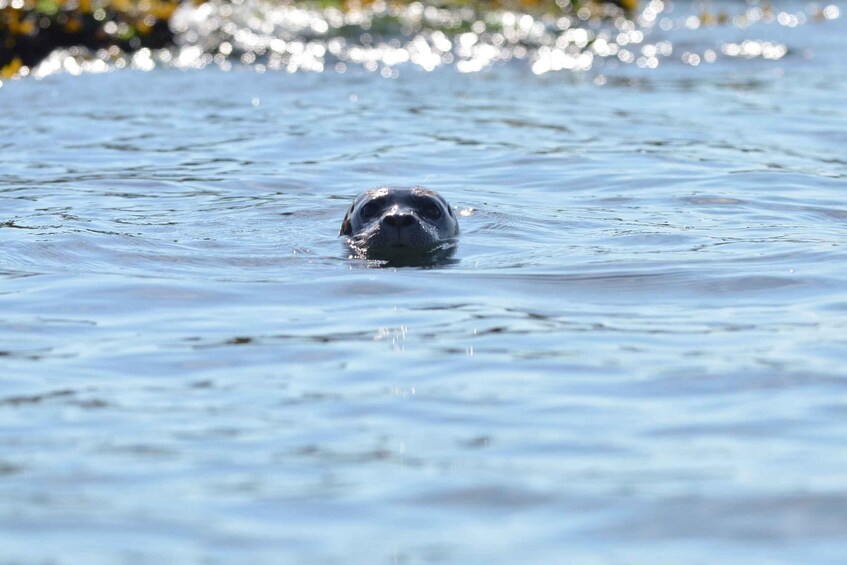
x=431 y=210
x=370 y=209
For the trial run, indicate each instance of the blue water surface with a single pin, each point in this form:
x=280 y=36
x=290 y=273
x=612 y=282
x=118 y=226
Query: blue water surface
x=638 y=355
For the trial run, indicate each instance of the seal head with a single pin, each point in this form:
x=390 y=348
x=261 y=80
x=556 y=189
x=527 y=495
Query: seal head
x=401 y=226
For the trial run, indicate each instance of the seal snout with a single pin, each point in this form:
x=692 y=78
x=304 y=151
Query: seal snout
x=399 y=219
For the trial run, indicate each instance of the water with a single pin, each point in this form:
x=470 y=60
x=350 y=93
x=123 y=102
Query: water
x=637 y=357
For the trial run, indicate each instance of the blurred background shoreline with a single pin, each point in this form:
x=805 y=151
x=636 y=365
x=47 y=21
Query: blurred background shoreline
x=109 y=29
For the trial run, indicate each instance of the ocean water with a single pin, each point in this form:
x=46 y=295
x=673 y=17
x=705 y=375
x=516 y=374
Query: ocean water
x=637 y=356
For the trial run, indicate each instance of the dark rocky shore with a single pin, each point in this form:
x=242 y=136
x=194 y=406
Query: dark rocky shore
x=30 y=29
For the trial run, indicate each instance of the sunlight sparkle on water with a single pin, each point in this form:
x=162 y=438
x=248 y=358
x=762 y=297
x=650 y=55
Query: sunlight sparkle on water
x=384 y=38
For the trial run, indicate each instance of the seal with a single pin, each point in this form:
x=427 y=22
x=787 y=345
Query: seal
x=404 y=226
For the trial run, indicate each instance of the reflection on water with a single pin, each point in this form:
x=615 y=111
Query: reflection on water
x=637 y=352
x=385 y=38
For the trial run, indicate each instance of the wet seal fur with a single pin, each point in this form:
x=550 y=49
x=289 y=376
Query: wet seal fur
x=413 y=226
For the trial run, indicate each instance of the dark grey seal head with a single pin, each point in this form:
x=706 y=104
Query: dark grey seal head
x=414 y=226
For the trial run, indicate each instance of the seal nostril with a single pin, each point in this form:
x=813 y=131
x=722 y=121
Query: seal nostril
x=399 y=220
